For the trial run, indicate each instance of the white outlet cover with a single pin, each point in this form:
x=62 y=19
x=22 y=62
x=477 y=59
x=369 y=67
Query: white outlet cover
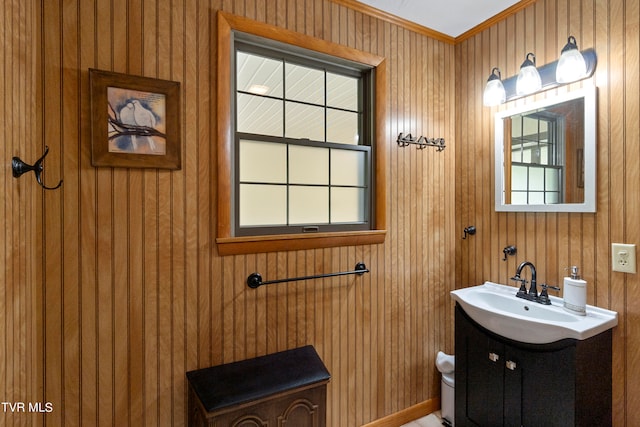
x=623 y=257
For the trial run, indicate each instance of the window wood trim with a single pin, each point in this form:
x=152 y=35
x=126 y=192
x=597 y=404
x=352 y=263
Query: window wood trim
x=231 y=245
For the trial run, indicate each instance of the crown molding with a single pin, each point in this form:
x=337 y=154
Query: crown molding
x=420 y=29
x=494 y=20
x=393 y=19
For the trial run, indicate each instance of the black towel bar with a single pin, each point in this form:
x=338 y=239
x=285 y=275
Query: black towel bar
x=255 y=279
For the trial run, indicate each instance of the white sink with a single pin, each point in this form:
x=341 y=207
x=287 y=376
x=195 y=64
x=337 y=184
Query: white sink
x=496 y=308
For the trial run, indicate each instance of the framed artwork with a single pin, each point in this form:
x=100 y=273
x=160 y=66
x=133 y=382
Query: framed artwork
x=135 y=121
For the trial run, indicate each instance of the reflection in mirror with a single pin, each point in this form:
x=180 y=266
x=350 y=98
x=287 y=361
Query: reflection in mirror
x=545 y=155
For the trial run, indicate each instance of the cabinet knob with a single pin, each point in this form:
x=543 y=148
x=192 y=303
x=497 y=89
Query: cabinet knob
x=493 y=357
x=511 y=365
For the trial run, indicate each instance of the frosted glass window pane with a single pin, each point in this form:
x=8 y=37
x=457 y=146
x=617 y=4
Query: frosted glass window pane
x=304 y=84
x=518 y=198
x=536 y=179
x=347 y=167
x=259 y=75
x=342 y=127
x=347 y=205
x=263 y=205
x=552 y=198
x=259 y=115
x=536 y=198
x=342 y=92
x=553 y=181
x=519 y=178
x=516 y=156
x=304 y=121
x=308 y=205
x=308 y=165
x=263 y=162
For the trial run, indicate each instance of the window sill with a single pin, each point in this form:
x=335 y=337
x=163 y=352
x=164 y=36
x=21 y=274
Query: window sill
x=291 y=242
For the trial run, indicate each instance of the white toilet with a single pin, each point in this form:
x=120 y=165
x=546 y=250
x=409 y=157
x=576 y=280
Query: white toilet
x=446 y=365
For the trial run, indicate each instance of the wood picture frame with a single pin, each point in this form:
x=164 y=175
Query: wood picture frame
x=135 y=121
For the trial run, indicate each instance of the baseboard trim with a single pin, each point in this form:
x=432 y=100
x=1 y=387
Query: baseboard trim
x=414 y=412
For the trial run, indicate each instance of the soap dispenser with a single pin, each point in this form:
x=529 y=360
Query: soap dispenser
x=575 y=293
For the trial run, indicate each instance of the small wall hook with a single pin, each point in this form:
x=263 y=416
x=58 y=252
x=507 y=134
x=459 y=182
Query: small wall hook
x=19 y=167
x=509 y=250
x=470 y=230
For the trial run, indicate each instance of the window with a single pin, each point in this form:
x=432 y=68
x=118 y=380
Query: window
x=302 y=146
x=300 y=163
x=536 y=158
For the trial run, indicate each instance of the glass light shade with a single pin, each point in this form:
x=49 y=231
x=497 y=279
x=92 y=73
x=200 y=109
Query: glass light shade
x=494 y=93
x=571 y=65
x=529 y=80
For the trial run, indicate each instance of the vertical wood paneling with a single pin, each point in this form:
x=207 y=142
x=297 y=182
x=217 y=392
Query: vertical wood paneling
x=127 y=291
x=20 y=295
x=554 y=241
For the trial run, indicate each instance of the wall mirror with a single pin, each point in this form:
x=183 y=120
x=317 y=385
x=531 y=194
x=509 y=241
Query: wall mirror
x=545 y=154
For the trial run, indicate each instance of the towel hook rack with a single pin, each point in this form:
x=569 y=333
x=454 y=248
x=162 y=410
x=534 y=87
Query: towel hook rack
x=255 y=279
x=19 y=167
x=421 y=142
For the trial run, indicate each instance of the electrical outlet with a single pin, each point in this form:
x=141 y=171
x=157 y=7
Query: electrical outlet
x=623 y=257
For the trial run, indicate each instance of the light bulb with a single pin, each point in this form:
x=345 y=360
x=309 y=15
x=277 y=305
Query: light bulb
x=571 y=66
x=494 y=93
x=528 y=79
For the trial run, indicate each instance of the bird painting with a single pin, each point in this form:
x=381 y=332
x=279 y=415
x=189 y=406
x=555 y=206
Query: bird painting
x=144 y=117
x=126 y=118
x=141 y=127
x=133 y=113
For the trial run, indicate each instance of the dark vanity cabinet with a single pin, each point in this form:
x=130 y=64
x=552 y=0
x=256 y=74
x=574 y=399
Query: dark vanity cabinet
x=501 y=382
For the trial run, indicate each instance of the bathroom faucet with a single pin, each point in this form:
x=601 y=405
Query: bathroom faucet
x=532 y=294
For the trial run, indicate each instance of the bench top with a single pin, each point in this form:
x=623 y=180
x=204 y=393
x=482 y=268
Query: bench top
x=222 y=386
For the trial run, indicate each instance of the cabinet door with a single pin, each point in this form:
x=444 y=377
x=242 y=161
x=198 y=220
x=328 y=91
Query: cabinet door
x=479 y=376
x=485 y=385
x=515 y=405
x=539 y=387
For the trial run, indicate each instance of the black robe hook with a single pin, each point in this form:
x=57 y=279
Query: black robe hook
x=19 y=167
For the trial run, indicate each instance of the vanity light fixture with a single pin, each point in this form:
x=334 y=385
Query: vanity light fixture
x=567 y=69
x=571 y=65
x=529 y=80
x=494 y=93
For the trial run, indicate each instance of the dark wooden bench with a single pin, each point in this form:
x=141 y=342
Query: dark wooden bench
x=285 y=388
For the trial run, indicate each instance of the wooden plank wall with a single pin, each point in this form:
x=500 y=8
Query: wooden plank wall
x=554 y=241
x=136 y=294
x=20 y=251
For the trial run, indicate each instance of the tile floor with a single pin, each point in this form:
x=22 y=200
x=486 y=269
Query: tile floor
x=431 y=420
